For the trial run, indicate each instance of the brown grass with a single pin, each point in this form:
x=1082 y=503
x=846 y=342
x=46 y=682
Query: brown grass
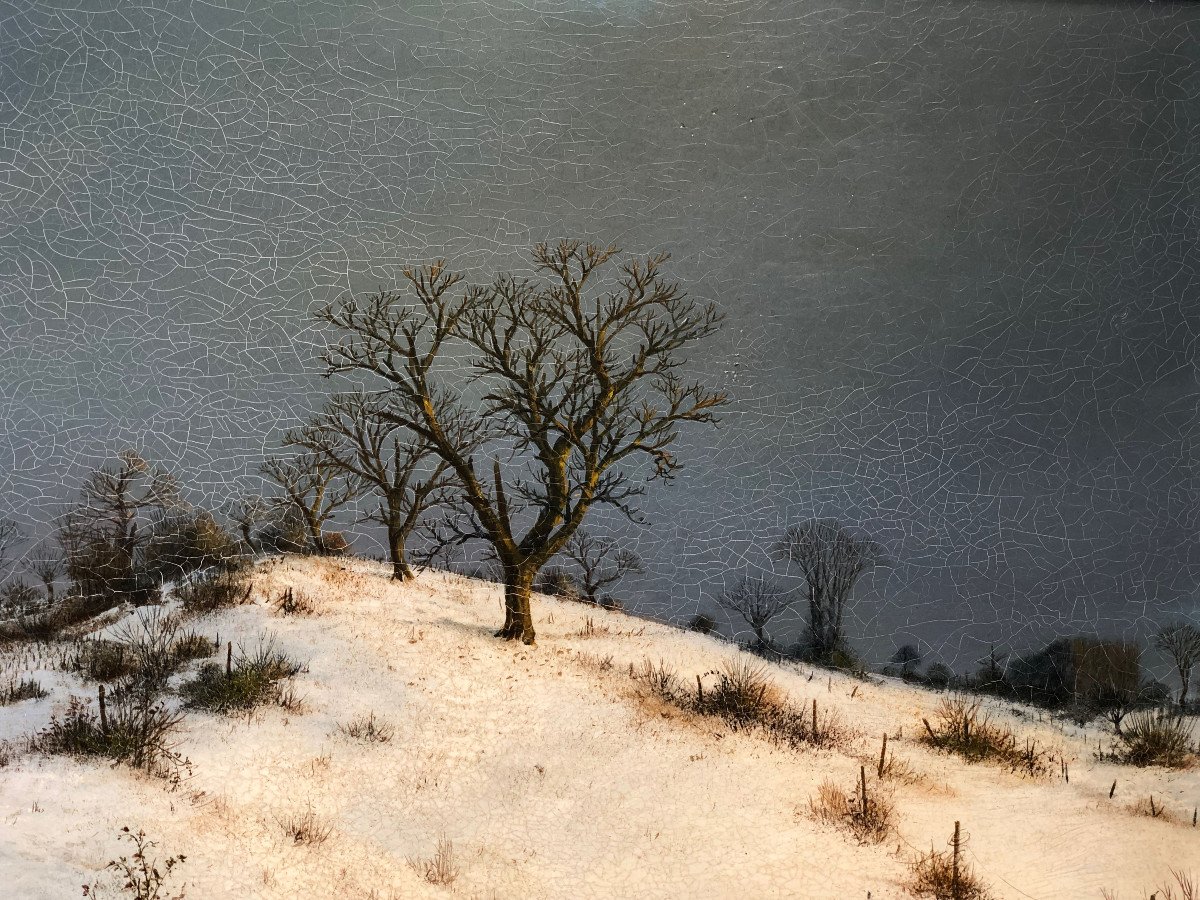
x=870 y=822
x=959 y=727
x=933 y=876
x=741 y=696
x=305 y=828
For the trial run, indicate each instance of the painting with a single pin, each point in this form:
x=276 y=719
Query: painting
x=599 y=448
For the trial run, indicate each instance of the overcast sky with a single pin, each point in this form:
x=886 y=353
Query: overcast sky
x=956 y=242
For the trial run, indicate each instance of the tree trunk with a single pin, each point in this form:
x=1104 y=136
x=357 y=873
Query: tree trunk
x=314 y=533
x=1185 y=678
x=400 y=567
x=518 y=610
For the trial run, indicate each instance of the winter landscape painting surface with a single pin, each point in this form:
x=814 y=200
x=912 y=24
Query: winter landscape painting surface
x=599 y=449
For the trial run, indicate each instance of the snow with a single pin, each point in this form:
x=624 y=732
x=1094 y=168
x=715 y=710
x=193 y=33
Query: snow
x=551 y=777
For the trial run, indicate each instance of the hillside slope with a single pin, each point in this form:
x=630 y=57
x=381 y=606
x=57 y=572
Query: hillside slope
x=551 y=774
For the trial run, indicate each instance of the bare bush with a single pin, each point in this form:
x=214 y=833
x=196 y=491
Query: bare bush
x=141 y=878
x=131 y=728
x=866 y=813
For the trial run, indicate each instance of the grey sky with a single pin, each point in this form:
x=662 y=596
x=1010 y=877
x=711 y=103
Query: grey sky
x=956 y=243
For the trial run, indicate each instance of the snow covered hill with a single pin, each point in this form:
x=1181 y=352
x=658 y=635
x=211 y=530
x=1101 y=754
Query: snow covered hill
x=550 y=772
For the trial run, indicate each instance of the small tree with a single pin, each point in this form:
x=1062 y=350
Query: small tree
x=992 y=669
x=47 y=567
x=403 y=474
x=103 y=534
x=1182 y=643
x=570 y=386
x=247 y=514
x=907 y=658
x=314 y=489
x=11 y=537
x=831 y=560
x=601 y=563
x=758 y=601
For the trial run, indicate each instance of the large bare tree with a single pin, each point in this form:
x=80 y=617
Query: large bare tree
x=758 y=601
x=314 y=489
x=1182 y=643
x=400 y=470
x=540 y=395
x=831 y=559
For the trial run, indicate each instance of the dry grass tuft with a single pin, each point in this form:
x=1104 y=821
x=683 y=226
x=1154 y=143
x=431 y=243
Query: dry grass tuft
x=591 y=629
x=369 y=729
x=1154 y=738
x=870 y=819
x=961 y=729
x=441 y=868
x=293 y=603
x=305 y=828
x=742 y=696
x=935 y=875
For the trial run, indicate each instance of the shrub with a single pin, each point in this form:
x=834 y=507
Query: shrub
x=252 y=681
x=141 y=879
x=865 y=813
x=190 y=645
x=16 y=691
x=20 y=599
x=133 y=729
x=939 y=675
x=51 y=622
x=591 y=629
x=962 y=730
x=702 y=623
x=661 y=679
x=367 y=728
x=1155 y=738
x=742 y=693
x=99 y=659
x=558 y=582
x=181 y=543
x=335 y=543
x=219 y=590
x=745 y=699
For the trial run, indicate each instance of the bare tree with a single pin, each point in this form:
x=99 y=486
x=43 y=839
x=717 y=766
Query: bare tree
x=572 y=387
x=907 y=658
x=313 y=488
x=404 y=473
x=247 y=513
x=601 y=563
x=101 y=536
x=47 y=566
x=831 y=560
x=1182 y=643
x=758 y=601
x=11 y=537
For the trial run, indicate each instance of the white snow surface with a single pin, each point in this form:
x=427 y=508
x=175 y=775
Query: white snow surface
x=549 y=776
